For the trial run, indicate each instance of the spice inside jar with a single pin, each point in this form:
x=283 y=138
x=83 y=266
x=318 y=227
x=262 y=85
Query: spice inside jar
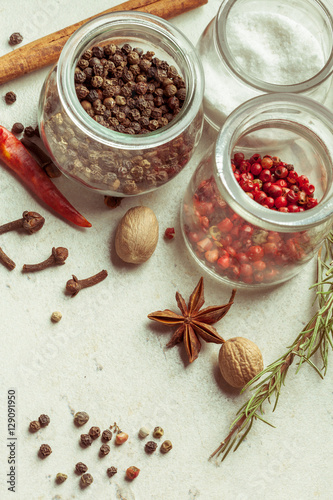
x=128 y=90
x=232 y=246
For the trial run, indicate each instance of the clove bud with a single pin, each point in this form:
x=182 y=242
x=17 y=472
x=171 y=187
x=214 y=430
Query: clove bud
x=73 y=286
x=58 y=257
x=30 y=222
x=6 y=261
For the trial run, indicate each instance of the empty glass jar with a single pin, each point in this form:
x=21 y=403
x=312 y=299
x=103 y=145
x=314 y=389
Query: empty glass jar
x=253 y=47
x=109 y=161
x=236 y=234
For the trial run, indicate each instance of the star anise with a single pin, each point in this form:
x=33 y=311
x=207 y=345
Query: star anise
x=193 y=322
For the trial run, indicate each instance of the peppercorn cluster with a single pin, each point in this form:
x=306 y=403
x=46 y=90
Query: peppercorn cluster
x=127 y=90
x=81 y=469
x=237 y=249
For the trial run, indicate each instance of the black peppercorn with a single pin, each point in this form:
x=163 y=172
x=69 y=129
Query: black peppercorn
x=98 y=52
x=34 y=426
x=29 y=131
x=17 y=128
x=10 y=97
x=86 y=480
x=94 y=432
x=45 y=450
x=81 y=418
x=15 y=39
x=86 y=439
x=61 y=478
x=111 y=202
x=104 y=450
x=44 y=420
x=80 y=468
x=111 y=471
x=150 y=447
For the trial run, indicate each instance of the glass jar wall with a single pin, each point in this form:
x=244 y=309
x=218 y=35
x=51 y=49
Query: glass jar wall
x=108 y=161
x=245 y=242
x=253 y=47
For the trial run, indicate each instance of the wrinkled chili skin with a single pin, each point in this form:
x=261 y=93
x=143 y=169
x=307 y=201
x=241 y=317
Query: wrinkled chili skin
x=19 y=160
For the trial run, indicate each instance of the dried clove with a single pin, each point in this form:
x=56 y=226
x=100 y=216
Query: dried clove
x=58 y=257
x=29 y=131
x=112 y=201
x=73 y=286
x=30 y=222
x=6 y=261
x=42 y=158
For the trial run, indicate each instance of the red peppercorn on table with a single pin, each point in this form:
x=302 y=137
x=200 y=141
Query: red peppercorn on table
x=106 y=358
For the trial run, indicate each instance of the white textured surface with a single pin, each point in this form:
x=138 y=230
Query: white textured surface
x=106 y=358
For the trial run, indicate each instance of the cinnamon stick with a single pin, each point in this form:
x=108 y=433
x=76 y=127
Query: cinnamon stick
x=46 y=50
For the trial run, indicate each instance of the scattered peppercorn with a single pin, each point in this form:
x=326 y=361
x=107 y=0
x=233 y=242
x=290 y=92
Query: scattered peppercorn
x=104 y=450
x=121 y=437
x=34 y=426
x=132 y=473
x=17 y=128
x=158 y=432
x=166 y=446
x=56 y=316
x=107 y=435
x=61 y=478
x=86 y=480
x=111 y=471
x=81 y=418
x=10 y=98
x=112 y=201
x=169 y=233
x=44 y=420
x=80 y=468
x=45 y=450
x=15 y=39
x=144 y=432
x=94 y=432
x=29 y=131
x=85 y=439
x=150 y=447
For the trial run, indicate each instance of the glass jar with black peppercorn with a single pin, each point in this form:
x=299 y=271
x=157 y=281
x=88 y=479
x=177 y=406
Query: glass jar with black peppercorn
x=122 y=111
x=260 y=202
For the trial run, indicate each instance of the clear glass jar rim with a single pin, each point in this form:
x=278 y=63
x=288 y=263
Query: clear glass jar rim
x=225 y=53
x=84 y=37
x=229 y=187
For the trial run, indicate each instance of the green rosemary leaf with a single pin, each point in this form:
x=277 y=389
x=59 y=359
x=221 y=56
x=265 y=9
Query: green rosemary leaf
x=265 y=421
x=317 y=335
x=243 y=436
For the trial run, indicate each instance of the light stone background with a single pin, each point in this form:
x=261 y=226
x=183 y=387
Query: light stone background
x=106 y=358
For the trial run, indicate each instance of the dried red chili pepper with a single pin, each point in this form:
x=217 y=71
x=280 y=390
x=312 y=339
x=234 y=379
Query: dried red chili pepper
x=19 y=160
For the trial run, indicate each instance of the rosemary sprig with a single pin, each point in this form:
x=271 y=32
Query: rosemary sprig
x=316 y=336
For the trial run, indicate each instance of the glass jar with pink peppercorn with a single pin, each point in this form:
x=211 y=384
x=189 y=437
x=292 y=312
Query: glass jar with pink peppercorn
x=260 y=202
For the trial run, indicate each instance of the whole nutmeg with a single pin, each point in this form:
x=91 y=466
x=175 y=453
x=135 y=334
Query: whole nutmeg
x=137 y=235
x=240 y=360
